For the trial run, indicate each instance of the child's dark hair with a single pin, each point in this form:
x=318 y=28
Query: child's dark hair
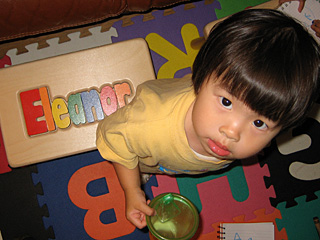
x=265 y=59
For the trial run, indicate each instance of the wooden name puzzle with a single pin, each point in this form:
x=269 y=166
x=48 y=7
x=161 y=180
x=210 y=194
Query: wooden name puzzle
x=50 y=108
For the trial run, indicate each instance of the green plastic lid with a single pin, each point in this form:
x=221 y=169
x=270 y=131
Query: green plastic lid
x=176 y=218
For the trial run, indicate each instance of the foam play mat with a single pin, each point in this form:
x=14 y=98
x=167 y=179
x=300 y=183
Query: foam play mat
x=77 y=195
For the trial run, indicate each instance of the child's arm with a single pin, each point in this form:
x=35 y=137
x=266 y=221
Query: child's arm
x=136 y=204
x=316 y=27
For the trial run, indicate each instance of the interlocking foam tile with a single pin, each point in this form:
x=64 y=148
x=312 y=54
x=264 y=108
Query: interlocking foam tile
x=86 y=194
x=286 y=186
x=300 y=170
x=208 y=236
x=177 y=60
x=76 y=43
x=219 y=196
x=169 y=36
x=230 y=7
x=4 y=165
x=188 y=184
x=20 y=213
x=224 y=194
x=298 y=220
x=5 y=61
x=148 y=187
x=165 y=184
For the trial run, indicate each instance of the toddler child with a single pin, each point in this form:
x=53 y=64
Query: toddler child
x=256 y=75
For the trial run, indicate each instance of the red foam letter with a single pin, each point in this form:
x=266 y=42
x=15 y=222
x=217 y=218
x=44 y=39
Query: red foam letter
x=96 y=205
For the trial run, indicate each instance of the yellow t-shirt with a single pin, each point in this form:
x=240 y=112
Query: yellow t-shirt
x=150 y=131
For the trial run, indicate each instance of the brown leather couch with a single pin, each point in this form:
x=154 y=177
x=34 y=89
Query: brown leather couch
x=24 y=18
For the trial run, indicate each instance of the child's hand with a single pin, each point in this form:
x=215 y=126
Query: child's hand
x=316 y=27
x=137 y=208
x=301 y=4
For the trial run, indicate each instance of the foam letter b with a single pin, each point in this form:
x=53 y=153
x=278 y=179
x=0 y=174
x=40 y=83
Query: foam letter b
x=96 y=205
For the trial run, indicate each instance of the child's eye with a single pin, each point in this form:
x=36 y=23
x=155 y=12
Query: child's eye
x=260 y=124
x=226 y=102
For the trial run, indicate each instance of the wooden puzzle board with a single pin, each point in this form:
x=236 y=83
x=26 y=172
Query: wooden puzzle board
x=44 y=104
x=273 y=4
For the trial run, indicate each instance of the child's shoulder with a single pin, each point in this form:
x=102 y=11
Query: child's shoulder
x=159 y=97
x=165 y=86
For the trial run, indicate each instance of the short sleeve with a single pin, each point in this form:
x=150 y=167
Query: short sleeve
x=112 y=141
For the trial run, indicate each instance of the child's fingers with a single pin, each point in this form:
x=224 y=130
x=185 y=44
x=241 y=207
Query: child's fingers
x=147 y=210
x=316 y=23
x=301 y=5
x=138 y=216
x=316 y=27
x=138 y=219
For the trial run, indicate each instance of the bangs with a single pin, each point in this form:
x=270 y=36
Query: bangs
x=261 y=95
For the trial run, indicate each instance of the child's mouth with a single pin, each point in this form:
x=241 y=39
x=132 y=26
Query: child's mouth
x=218 y=149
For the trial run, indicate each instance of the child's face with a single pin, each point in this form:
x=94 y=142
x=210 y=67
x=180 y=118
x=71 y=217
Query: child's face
x=220 y=125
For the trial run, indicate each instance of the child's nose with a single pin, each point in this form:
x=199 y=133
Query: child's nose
x=231 y=131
